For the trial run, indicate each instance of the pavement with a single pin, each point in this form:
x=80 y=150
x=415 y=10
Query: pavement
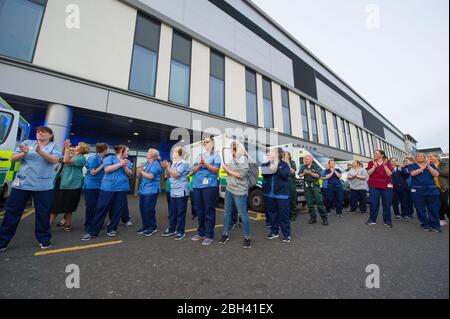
x=320 y=262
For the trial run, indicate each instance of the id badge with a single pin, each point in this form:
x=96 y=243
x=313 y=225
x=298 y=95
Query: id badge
x=16 y=183
x=390 y=186
x=205 y=181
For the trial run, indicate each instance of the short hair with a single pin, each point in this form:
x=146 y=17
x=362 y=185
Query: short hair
x=84 y=148
x=155 y=153
x=435 y=155
x=101 y=147
x=179 y=150
x=420 y=154
x=120 y=148
x=46 y=129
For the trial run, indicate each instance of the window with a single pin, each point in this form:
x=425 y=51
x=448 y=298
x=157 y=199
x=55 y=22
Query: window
x=349 y=137
x=363 y=146
x=145 y=56
x=369 y=144
x=180 y=71
x=336 y=131
x=286 y=111
x=344 y=134
x=305 y=124
x=6 y=120
x=315 y=132
x=326 y=140
x=360 y=142
x=252 y=100
x=268 y=107
x=20 y=22
x=217 y=84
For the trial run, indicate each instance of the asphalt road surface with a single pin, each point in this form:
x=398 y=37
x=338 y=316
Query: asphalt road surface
x=320 y=262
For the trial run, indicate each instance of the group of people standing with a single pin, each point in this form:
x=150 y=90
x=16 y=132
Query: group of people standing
x=53 y=177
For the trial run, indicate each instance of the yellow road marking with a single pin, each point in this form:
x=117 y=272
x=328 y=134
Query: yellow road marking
x=258 y=217
x=65 y=250
x=27 y=212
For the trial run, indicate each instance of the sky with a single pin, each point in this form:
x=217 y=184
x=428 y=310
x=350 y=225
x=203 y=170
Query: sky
x=395 y=54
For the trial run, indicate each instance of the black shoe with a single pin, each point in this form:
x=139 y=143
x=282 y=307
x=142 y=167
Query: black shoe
x=398 y=218
x=224 y=240
x=436 y=230
x=45 y=245
x=3 y=249
x=388 y=225
x=313 y=220
x=247 y=243
x=325 y=221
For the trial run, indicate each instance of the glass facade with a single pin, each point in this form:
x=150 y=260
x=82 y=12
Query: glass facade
x=314 y=130
x=180 y=71
x=251 y=96
x=336 y=131
x=349 y=137
x=286 y=111
x=20 y=22
x=268 y=106
x=305 y=125
x=145 y=56
x=217 y=84
x=326 y=139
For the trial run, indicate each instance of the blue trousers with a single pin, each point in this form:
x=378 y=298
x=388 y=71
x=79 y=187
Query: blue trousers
x=147 y=206
x=14 y=207
x=113 y=202
x=386 y=198
x=335 y=194
x=90 y=199
x=398 y=202
x=279 y=216
x=427 y=203
x=267 y=207
x=358 y=196
x=125 y=216
x=205 y=201
x=408 y=209
x=238 y=204
x=177 y=214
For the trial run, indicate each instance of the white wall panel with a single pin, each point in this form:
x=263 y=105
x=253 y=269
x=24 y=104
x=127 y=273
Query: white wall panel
x=100 y=50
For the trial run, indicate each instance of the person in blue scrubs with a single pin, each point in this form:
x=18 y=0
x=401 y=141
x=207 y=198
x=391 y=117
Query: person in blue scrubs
x=276 y=173
x=93 y=181
x=206 y=169
x=113 y=193
x=335 y=190
x=179 y=194
x=425 y=193
x=149 y=189
x=34 y=179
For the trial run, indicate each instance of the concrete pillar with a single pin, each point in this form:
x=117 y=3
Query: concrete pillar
x=59 y=119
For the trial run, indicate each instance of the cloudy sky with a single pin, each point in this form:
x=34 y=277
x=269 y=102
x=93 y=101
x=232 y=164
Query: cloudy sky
x=401 y=65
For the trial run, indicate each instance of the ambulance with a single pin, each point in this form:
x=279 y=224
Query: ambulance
x=14 y=129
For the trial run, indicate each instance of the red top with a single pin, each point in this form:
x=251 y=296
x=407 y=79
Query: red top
x=379 y=178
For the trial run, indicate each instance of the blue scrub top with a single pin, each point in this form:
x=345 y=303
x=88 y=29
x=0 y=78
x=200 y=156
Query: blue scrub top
x=116 y=181
x=151 y=186
x=179 y=187
x=424 y=179
x=93 y=181
x=334 y=180
x=35 y=173
x=204 y=178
